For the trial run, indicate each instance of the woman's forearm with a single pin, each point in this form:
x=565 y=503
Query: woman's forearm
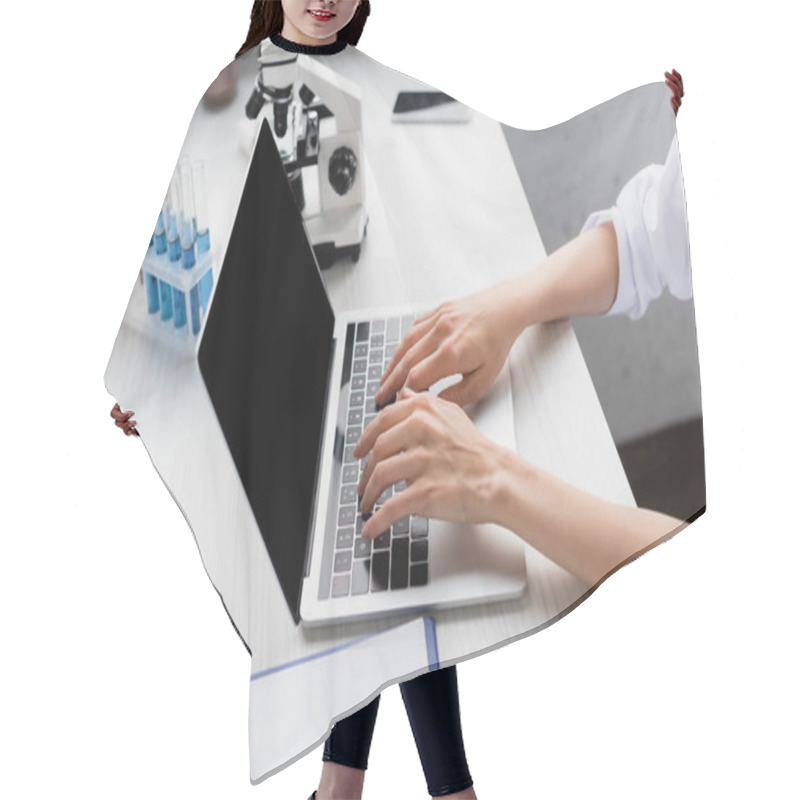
x=587 y=536
x=579 y=278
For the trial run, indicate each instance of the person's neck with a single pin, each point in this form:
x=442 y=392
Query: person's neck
x=293 y=34
x=317 y=49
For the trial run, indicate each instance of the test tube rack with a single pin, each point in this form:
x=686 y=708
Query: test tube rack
x=177 y=299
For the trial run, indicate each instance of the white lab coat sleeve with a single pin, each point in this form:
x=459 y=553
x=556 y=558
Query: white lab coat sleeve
x=649 y=220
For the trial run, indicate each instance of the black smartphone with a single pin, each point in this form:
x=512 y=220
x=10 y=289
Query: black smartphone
x=428 y=107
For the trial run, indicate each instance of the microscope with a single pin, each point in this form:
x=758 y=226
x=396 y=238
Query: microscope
x=315 y=118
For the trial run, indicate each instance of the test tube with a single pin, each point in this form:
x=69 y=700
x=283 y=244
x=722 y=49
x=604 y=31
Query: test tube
x=200 y=207
x=160 y=235
x=173 y=208
x=165 y=300
x=187 y=220
x=179 y=309
x=203 y=234
x=195 y=307
x=151 y=290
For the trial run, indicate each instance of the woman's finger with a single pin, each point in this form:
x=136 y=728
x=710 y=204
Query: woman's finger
x=398 y=376
x=466 y=391
x=435 y=366
x=387 y=473
x=397 y=507
x=389 y=416
x=413 y=335
x=401 y=436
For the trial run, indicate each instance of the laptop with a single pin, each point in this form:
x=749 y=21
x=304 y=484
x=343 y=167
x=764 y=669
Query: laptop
x=292 y=385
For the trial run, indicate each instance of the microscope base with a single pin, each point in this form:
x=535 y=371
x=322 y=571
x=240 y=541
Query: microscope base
x=337 y=234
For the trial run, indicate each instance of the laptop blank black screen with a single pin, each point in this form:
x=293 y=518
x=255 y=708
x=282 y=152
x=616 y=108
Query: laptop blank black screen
x=265 y=357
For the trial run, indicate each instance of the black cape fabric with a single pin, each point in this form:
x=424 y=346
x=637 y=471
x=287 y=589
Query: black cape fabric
x=306 y=224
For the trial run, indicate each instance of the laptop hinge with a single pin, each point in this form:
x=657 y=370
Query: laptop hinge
x=313 y=522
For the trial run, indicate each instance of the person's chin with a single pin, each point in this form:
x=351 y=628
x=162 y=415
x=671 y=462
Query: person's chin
x=318 y=36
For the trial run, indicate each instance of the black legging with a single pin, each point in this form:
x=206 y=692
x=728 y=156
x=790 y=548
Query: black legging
x=432 y=707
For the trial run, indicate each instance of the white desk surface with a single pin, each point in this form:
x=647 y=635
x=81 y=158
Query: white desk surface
x=431 y=181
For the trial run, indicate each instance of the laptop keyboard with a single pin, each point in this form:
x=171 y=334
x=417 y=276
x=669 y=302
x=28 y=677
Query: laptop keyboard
x=398 y=557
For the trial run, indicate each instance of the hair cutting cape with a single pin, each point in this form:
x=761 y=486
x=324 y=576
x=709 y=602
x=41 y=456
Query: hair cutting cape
x=306 y=224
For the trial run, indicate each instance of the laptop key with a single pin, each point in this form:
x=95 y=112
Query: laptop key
x=378 y=325
x=400 y=528
x=361 y=350
x=362 y=332
x=347 y=516
x=342 y=561
x=364 y=547
x=381 y=542
x=340 y=586
x=350 y=473
x=348 y=494
x=393 y=330
x=360 y=365
x=376 y=356
x=373 y=373
x=358 y=382
x=355 y=416
x=376 y=340
x=419 y=527
x=356 y=399
x=379 y=577
x=399 y=563
x=419 y=550
x=419 y=575
x=344 y=538
x=361 y=577
x=353 y=435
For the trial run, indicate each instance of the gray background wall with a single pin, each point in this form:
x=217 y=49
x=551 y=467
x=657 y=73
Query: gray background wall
x=645 y=371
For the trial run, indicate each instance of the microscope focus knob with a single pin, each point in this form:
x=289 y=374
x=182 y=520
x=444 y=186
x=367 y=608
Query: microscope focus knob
x=342 y=170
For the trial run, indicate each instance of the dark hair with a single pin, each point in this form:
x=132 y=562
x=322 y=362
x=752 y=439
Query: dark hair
x=266 y=18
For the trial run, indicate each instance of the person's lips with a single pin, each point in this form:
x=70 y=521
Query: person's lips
x=322 y=16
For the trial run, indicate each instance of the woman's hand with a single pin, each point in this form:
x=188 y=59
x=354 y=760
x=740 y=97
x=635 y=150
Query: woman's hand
x=675 y=82
x=431 y=444
x=124 y=420
x=471 y=336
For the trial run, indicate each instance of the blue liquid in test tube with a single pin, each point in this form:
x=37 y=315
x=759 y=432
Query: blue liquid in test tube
x=187 y=222
x=206 y=285
x=173 y=209
x=194 y=302
x=165 y=296
x=160 y=236
x=151 y=289
x=178 y=308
